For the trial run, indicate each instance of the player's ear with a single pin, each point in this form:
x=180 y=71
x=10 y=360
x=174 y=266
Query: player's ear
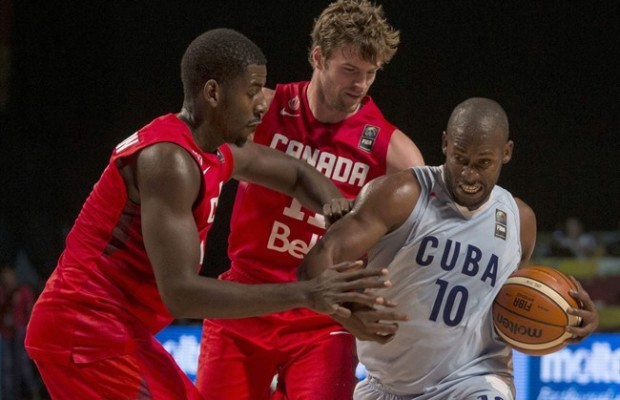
x=507 y=152
x=317 y=58
x=444 y=143
x=210 y=92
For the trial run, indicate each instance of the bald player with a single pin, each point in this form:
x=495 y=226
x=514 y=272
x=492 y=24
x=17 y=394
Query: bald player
x=450 y=238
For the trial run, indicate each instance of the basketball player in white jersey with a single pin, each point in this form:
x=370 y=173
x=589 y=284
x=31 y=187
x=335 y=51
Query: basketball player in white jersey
x=450 y=237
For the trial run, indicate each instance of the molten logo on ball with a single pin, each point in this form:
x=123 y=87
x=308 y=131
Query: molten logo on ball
x=516 y=328
x=530 y=310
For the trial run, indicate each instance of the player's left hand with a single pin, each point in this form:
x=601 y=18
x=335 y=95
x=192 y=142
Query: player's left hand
x=336 y=209
x=344 y=283
x=587 y=313
x=372 y=323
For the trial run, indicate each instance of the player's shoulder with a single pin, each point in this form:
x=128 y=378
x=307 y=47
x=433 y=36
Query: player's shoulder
x=402 y=152
x=166 y=157
x=285 y=92
x=524 y=208
x=289 y=88
x=520 y=202
x=166 y=169
x=391 y=197
x=397 y=185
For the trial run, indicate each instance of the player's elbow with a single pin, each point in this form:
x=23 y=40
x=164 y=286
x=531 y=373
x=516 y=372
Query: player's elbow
x=175 y=299
x=175 y=307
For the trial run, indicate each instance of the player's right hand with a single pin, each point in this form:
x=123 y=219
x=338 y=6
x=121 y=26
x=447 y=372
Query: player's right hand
x=344 y=283
x=588 y=314
x=336 y=209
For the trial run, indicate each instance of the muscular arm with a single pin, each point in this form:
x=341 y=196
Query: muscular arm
x=168 y=182
x=382 y=206
x=402 y=153
x=281 y=172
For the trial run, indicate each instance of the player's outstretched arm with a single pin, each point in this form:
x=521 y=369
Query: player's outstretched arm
x=168 y=183
x=278 y=171
x=344 y=283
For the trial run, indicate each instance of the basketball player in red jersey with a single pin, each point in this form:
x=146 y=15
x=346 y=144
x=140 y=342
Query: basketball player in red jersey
x=331 y=123
x=132 y=258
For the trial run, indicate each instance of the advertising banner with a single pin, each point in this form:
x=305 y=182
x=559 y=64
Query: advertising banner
x=589 y=370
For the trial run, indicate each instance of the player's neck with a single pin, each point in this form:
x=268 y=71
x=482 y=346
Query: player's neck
x=207 y=141
x=320 y=108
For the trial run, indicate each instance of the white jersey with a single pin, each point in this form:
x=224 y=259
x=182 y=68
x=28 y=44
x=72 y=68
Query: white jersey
x=446 y=266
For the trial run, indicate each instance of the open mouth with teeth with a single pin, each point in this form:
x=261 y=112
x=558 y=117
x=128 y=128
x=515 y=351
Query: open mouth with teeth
x=470 y=189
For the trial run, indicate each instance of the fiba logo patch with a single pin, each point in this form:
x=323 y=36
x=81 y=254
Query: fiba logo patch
x=369 y=135
x=500 y=224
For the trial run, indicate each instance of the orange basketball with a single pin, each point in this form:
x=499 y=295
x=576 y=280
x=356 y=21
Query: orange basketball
x=529 y=311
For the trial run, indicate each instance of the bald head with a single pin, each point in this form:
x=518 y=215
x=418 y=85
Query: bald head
x=478 y=116
x=476 y=145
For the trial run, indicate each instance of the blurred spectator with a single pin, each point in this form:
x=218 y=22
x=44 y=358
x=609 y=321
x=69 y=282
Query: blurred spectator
x=611 y=242
x=571 y=240
x=19 y=380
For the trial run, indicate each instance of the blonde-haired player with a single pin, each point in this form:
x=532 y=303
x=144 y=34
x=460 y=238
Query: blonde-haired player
x=331 y=123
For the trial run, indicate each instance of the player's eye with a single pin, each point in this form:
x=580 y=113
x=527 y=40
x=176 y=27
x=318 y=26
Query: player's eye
x=484 y=163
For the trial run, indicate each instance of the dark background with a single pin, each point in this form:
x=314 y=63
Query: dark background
x=86 y=74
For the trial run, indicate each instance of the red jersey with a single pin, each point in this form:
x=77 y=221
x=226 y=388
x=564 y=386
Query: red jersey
x=103 y=293
x=271 y=232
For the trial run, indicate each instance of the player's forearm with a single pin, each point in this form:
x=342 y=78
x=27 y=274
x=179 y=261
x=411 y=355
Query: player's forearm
x=315 y=262
x=212 y=298
x=313 y=189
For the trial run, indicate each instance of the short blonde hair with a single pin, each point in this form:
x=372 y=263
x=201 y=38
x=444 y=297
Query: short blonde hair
x=359 y=23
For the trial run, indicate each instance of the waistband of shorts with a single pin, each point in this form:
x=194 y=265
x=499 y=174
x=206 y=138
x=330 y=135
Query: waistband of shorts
x=377 y=384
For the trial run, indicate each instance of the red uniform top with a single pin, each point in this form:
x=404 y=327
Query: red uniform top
x=103 y=293
x=270 y=231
